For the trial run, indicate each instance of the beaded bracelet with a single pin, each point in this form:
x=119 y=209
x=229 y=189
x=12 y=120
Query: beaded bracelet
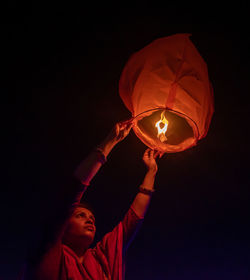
x=101 y=156
x=146 y=191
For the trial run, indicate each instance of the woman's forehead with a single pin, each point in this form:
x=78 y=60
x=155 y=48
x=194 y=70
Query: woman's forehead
x=83 y=210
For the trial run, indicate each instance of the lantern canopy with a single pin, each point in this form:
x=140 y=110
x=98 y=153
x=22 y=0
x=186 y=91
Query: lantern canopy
x=166 y=87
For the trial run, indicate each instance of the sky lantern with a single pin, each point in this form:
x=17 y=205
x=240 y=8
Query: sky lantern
x=166 y=87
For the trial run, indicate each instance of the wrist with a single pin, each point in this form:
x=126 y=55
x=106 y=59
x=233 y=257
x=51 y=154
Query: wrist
x=106 y=146
x=146 y=190
x=147 y=186
x=152 y=171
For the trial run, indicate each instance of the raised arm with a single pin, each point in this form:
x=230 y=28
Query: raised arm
x=111 y=244
x=135 y=215
x=46 y=259
x=142 y=199
x=88 y=168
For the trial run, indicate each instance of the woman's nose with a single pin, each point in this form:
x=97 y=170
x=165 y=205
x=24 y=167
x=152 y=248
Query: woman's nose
x=89 y=221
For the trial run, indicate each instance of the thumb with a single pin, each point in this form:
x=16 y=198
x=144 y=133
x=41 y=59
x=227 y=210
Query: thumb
x=158 y=153
x=161 y=154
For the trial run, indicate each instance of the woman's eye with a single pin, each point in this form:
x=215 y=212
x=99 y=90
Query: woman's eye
x=80 y=215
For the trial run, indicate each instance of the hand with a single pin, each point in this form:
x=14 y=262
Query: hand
x=117 y=134
x=120 y=131
x=149 y=159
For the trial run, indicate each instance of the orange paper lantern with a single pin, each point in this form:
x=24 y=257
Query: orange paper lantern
x=166 y=87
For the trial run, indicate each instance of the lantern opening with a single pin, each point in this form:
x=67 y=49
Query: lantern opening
x=165 y=130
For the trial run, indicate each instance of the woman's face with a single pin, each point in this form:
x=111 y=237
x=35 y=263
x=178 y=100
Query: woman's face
x=82 y=224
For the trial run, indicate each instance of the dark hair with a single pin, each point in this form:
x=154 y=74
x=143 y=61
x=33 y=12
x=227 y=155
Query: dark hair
x=84 y=205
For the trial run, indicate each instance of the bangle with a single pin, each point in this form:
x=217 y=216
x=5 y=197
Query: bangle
x=146 y=191
x=101 y=156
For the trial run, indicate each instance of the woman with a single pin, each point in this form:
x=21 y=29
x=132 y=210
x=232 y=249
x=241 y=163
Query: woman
x=68 y=254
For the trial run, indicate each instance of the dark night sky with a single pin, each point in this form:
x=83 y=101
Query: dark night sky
x=61 y=68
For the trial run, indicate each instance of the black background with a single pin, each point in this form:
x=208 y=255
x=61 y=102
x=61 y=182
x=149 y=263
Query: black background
x=61 y=65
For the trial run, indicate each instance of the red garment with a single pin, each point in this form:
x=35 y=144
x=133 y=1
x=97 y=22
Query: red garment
x=104 y=261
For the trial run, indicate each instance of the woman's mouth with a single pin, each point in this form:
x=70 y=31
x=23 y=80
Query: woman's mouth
x=90 y=228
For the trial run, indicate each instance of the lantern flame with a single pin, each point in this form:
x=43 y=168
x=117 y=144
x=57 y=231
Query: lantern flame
x=162 y=130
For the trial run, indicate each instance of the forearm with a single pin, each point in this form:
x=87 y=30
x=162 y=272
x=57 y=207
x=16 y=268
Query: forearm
x=142 y=200
x=88 y=168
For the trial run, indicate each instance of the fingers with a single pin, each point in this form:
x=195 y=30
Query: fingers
x=146 y=153
x=153 y=154
x=149 y=154
x=128 y=124
x=125 y=128
x=159 y=154
x=117 y=129
x=156 y=154
x=131 y=120
x=122 y=129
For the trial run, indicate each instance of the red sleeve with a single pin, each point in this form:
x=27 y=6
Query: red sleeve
x=110 y=250
x=45 y=261
x=130 y=224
